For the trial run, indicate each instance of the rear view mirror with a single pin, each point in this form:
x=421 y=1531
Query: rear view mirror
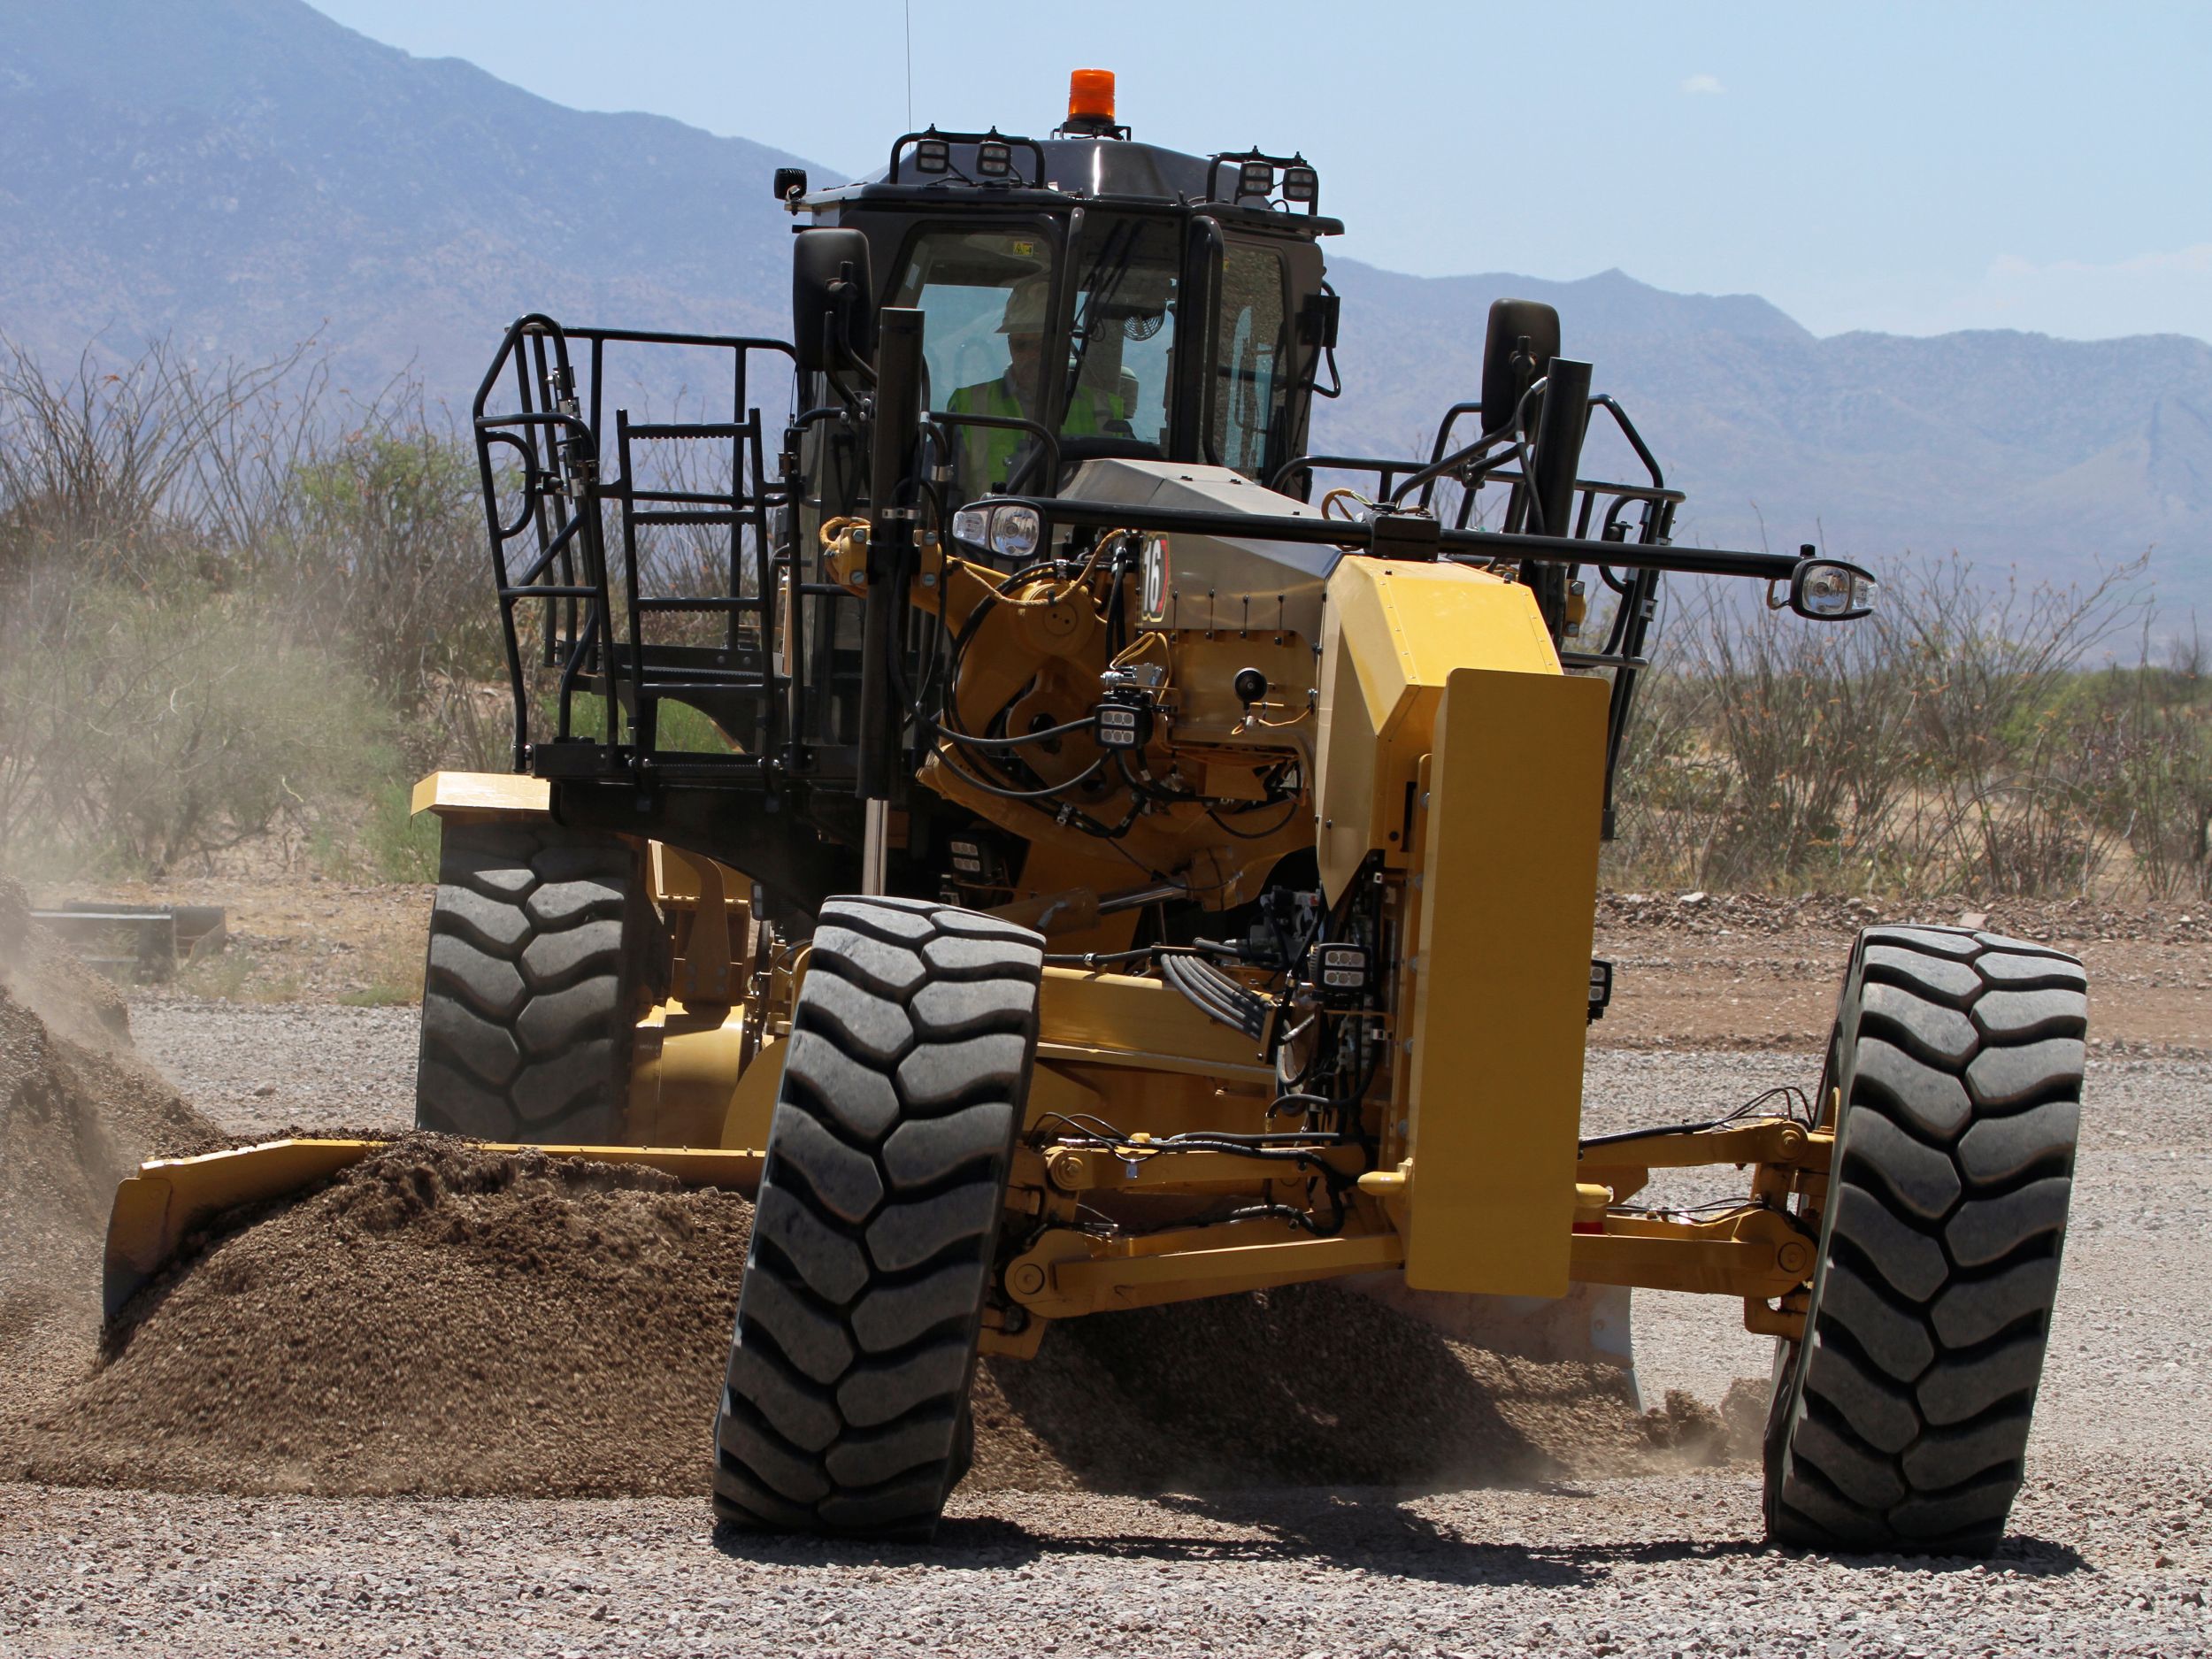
x=1827 y=590
x=1521 y=340
x=832 y=308
x=1318 y=322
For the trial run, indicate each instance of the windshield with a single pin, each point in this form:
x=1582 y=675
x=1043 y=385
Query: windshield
x=986 y=301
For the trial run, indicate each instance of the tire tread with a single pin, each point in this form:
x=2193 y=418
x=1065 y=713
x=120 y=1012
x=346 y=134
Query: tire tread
x=1901 y=1420
x=532 y=976
x=857 y=1322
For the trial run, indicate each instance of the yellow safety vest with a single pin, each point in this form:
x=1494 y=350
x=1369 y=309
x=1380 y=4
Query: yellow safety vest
x=987 y=453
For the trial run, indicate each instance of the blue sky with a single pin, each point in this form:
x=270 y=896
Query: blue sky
x=1910 y=168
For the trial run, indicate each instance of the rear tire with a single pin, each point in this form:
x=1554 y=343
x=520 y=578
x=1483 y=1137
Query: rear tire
x=1901 y=1421
x=845 y=1408
x=539 y=941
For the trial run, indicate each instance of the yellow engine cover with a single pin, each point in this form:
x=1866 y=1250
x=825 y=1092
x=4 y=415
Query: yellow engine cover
x=1391 y=635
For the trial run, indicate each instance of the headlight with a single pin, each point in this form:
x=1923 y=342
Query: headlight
x=1007 y=529
x=1015 y=531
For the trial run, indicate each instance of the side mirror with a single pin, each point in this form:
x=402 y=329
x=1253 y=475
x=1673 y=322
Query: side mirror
x=833 y=305
x=1317 y=321
x=1827 y=590
x=790 y=186
x=1516 y=350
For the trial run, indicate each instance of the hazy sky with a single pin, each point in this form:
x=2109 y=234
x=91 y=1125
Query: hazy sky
x=1914 y=168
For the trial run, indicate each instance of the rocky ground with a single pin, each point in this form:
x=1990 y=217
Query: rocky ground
x=2111 y=1545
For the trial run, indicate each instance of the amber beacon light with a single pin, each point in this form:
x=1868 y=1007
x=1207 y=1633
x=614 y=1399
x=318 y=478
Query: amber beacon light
x=1091 y=95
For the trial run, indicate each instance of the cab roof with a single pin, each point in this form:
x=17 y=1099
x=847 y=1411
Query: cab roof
x=934 y=169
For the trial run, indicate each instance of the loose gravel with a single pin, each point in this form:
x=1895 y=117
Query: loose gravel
x=2109 y=1553
x=260 y=1068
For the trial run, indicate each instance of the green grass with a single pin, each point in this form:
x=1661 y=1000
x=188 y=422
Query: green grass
x=401 y=844
x=381 y=994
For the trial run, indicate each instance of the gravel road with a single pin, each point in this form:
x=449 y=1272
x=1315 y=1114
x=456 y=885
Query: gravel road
x=2110 y=1553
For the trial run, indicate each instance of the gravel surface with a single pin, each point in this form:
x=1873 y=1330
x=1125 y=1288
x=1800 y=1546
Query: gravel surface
x=2110 y=1550
x=257 y=1068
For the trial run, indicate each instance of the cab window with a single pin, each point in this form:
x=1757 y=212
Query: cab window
x=1121 y=355
x=1251 y=374
x=987 y=331
x=972 y=286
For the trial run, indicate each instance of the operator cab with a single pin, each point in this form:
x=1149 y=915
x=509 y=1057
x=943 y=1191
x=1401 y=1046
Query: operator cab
x=1134 y=302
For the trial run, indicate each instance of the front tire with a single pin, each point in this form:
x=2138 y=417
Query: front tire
x=845 y=1405
x=1901 y=1420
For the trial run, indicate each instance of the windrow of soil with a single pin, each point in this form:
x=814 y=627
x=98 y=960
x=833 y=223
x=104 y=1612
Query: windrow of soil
x=442 y=1319
x=78 y=1110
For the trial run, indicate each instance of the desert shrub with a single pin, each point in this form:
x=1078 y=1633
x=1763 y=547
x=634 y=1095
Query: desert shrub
x=396 y=844
x=383 y=563
x=170 y=719
x=2144 y=753
x=1942 y=744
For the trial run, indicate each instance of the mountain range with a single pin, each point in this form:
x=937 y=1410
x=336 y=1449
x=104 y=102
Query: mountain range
x=240 y=175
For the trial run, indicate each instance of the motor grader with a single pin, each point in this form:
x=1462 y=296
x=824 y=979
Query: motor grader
x=1063 y=847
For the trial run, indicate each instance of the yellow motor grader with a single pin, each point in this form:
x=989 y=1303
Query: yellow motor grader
x=1060 y=852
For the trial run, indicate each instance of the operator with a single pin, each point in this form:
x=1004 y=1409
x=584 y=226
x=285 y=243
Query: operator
x=989 y=454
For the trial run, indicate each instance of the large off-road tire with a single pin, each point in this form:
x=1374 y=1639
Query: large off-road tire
x=844 y=1406
x=541 y=941
x=1901 y=1420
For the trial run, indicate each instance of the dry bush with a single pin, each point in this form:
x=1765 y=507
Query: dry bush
x=171 y=721
x=2145 y=759
x=221 y=605
x=1949 y=742
x=380 y=556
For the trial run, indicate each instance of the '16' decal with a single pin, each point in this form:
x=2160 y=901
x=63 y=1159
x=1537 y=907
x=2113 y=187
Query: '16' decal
x=1156 y=578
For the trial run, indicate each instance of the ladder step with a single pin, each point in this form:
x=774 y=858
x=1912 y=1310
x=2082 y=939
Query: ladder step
x=655 y=602
x=724 y=517
x=725 y=499
x=661 y=432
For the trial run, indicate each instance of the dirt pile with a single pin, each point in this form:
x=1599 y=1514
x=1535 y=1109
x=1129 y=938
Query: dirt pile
x=443 y=1319
x=438 y=1318
x=77 y=1112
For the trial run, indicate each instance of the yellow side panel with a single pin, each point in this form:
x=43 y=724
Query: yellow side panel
x=1508 y=885
x=683 y=1073
x=1117 y=1020
x=1391 y=635
x=480 y=793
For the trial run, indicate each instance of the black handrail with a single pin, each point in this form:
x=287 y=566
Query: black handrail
x=1482 y=546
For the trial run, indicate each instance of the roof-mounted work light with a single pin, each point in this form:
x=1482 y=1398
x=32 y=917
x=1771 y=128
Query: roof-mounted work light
x=1300 y=184
x=1255 y=178
x=993 y=160
x=933 y=155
